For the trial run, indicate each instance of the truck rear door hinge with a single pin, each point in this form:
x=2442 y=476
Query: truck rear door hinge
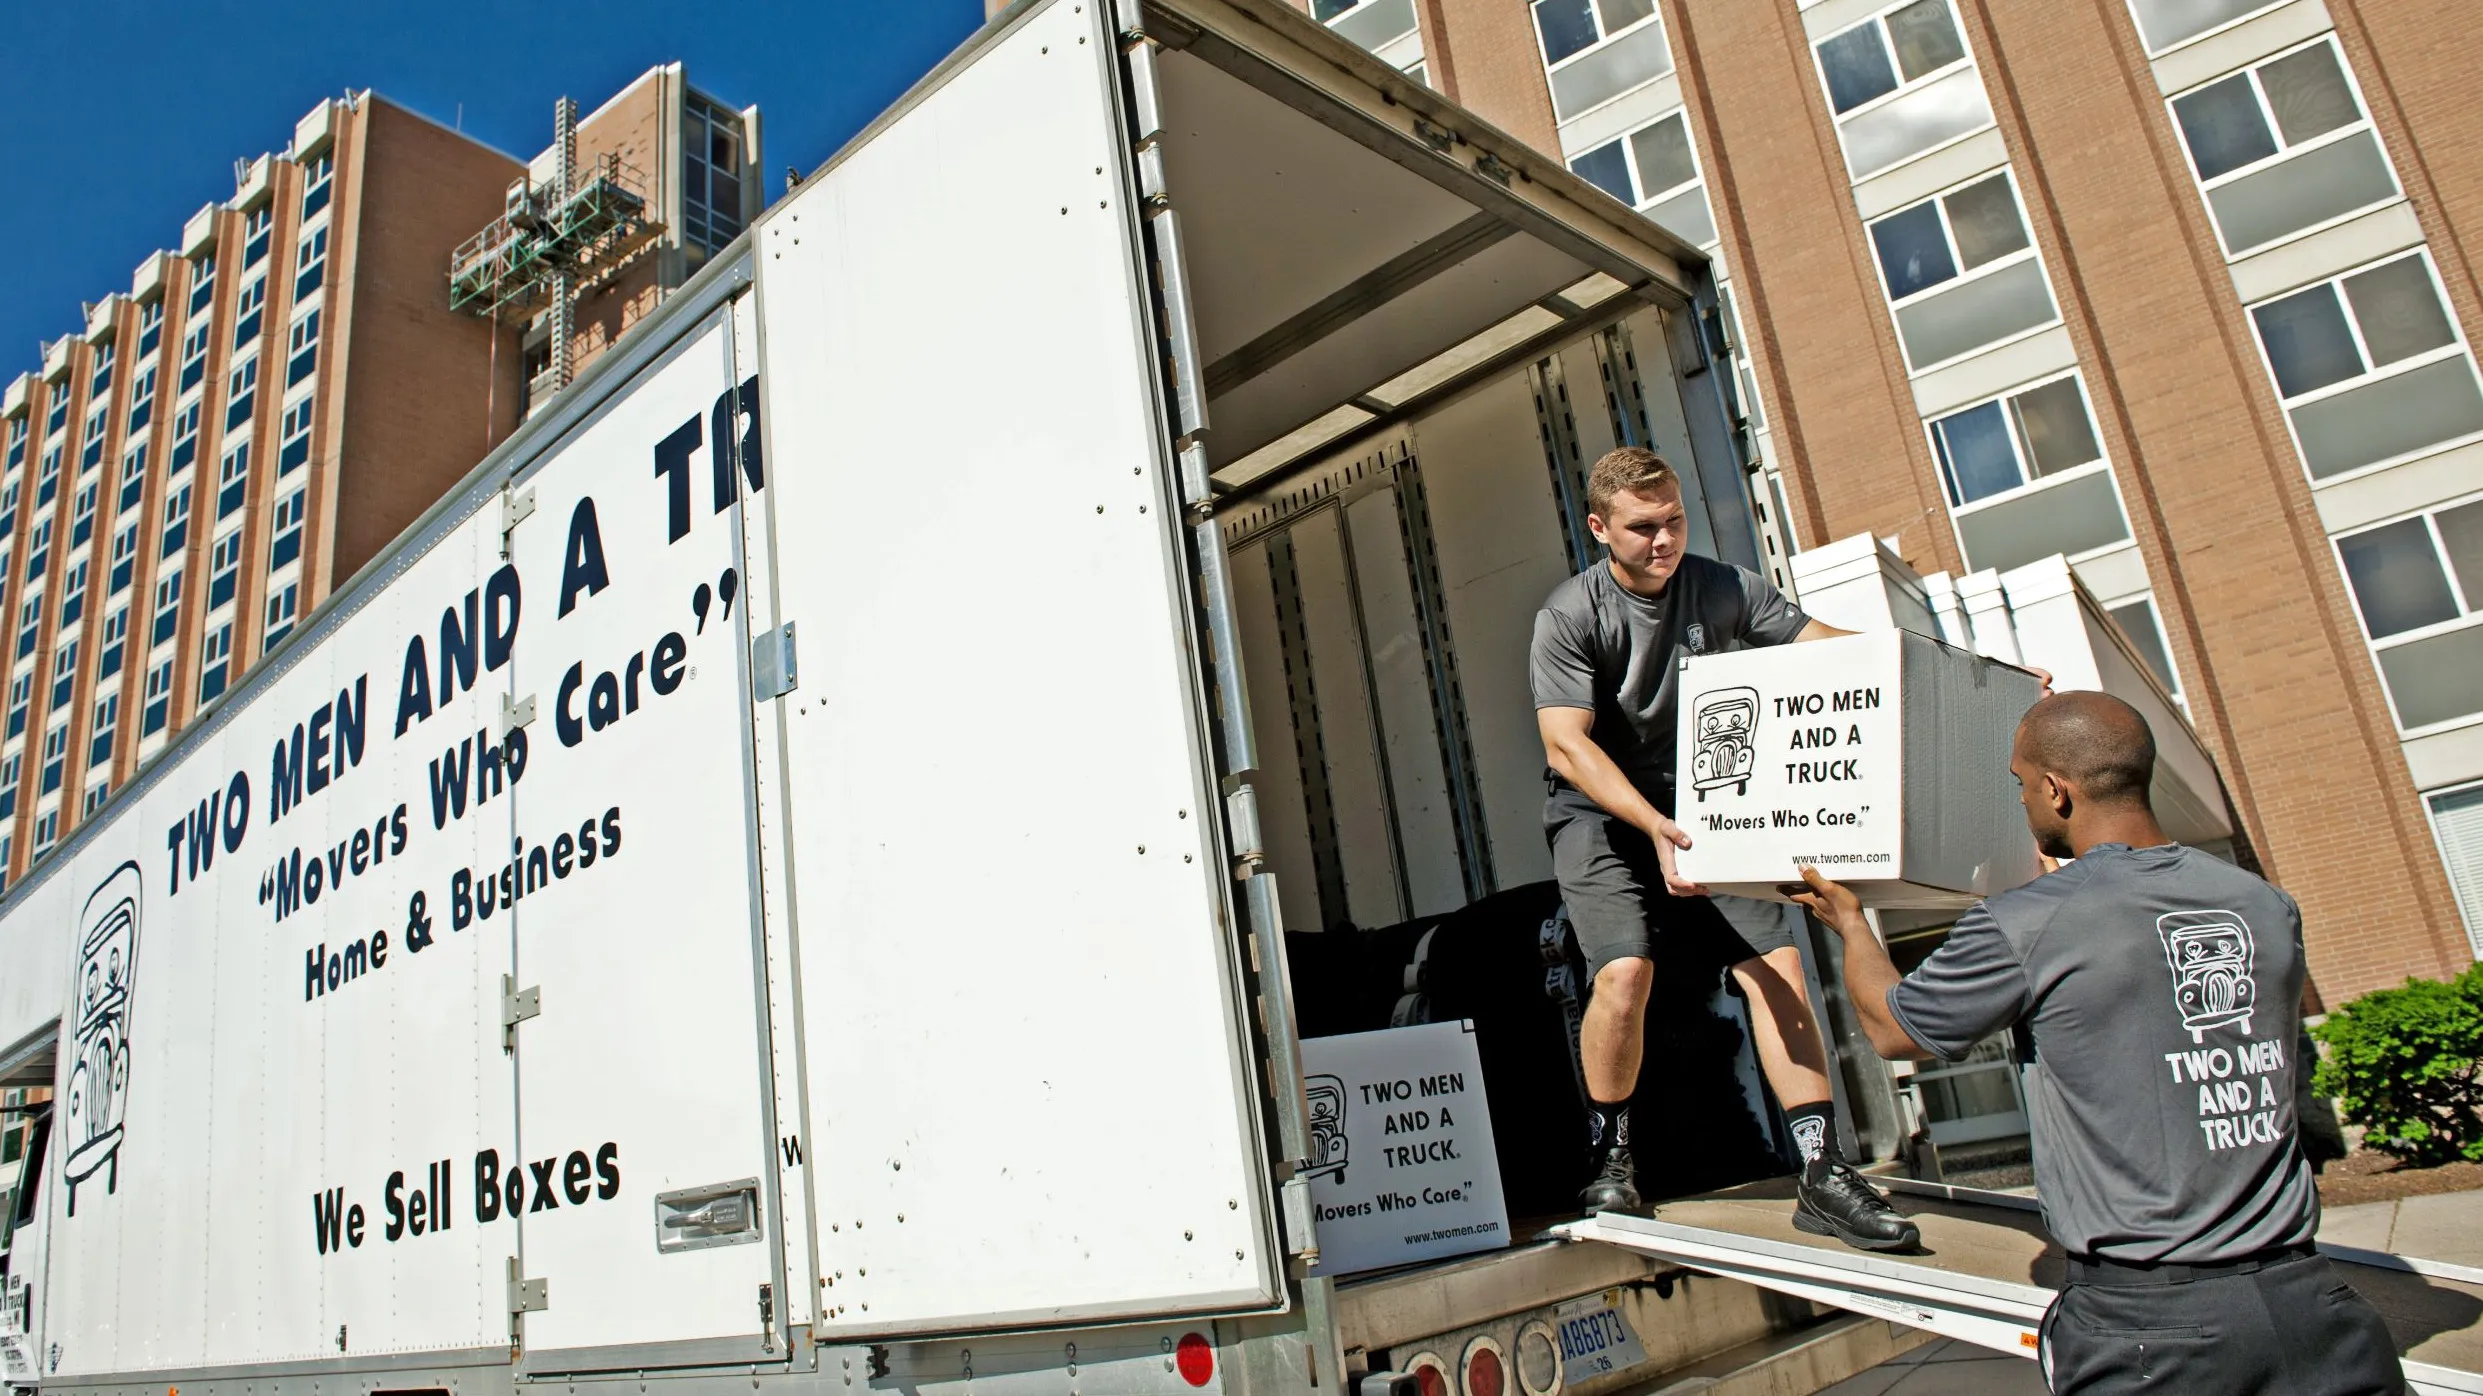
x=1301 y=1239
x=527 y=1296
x=774 y=671
x=515 y=712
x=516 y=1006
x=515 y=507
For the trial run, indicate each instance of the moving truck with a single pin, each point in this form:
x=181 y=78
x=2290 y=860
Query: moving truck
x=775 y=878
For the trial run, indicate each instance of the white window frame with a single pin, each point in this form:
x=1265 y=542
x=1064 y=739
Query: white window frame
x=1905 y=85
x=2470 y=607
x=243 y=309
x=1629 y=155
x=2456 y=347
x=2031 y=252
x=216 y=569
x=2284 y=153
x=1655 y=16
x=2474 y=926
x=2029 y=483
x=2179 y=44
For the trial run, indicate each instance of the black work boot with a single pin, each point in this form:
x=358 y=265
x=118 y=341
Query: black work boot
x=1835 y=1201
x=1615 y=1186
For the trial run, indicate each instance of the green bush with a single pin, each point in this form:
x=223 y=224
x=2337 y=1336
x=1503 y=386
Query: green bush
x=2408 y=1066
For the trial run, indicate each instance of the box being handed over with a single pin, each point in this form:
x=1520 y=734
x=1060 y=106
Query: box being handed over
x=1881 y=758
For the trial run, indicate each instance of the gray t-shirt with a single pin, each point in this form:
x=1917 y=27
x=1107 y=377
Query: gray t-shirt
x=2162 y=989
x=1617 y=654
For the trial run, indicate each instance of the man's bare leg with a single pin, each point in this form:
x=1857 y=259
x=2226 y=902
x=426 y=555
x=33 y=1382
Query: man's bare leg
x=1611 y=1040
x=1794 y=1058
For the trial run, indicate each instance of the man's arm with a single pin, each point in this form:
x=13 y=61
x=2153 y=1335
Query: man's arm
x=1817 y=629
x=1571 y=750
x=1869 y=973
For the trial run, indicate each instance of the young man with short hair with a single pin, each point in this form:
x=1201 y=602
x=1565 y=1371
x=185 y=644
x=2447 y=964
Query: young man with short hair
x=1605 y=665
x=2162 y=991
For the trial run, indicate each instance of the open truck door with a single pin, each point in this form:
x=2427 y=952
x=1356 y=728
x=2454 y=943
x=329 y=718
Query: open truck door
x=1022 y=1004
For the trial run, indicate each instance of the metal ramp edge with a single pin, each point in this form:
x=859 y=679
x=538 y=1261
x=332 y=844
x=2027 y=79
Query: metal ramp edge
x=1996 y=1314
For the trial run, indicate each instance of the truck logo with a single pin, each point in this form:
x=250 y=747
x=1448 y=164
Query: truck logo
x=99 y=1070
x=1721 y=723
x=1326 y=1095
x=2210 y=953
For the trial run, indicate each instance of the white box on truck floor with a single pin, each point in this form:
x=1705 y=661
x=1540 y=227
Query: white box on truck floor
x=1883 y=759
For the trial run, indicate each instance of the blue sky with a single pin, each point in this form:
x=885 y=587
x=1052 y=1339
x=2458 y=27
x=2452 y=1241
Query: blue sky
x=122 y=118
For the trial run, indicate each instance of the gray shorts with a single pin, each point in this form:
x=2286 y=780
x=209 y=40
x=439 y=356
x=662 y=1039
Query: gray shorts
x=1615 y=893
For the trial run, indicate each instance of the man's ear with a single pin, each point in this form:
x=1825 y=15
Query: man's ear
x=2056 y=793
x=1595 y=525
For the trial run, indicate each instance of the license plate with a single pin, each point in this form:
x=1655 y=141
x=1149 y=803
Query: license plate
x=1593 y=1336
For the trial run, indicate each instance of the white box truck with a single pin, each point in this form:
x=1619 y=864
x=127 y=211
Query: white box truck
x=773 y=880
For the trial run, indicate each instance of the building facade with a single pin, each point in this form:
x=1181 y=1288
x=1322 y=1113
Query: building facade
x=267 y=405
x=2175 y=288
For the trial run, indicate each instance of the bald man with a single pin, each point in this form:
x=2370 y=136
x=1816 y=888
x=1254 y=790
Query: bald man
x=2159 y=987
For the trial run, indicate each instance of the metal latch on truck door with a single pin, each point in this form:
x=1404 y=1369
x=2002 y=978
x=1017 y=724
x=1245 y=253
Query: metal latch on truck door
x=773 y=669
x=515 y=507
x=527 y=1296
x=516 y=1006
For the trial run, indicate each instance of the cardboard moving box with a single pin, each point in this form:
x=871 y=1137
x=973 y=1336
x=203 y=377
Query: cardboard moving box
x=1881 y=758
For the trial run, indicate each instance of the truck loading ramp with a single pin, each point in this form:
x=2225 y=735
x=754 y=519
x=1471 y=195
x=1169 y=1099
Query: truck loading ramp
x=1987 y=1272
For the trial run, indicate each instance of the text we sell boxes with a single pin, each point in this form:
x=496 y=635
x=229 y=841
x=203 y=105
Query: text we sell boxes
x=1882 y=759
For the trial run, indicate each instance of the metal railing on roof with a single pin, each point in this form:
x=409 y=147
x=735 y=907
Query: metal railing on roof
x=506 y=271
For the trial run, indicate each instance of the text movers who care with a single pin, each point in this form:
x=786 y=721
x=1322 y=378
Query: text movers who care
x=1882 y=759
x=1403 y=1166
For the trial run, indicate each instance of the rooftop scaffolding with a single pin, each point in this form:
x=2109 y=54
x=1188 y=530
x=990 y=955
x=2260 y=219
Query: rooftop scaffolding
x=508 y=271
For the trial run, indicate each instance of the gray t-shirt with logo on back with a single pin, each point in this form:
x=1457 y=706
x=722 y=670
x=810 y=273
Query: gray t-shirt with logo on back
x=1602 y=647
x=2162 y=988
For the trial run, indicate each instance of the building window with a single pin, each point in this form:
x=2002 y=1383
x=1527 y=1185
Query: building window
x=2370 y=366
x=107 y=718
x=2026 y=477
x=1381 y=26
x=302 y=344
x=133 y=478
x=258 y=229
x=64 y=673
x=202 y=285
x=29 y=624
x=310 y=264
x=96 y=794
x=39 y=549
x=100 y=385
x=17 y=442
x=1654 y=169
x=176 y=521
x=159 y=699
x=287 y=543
x=73 y=593
x=250 y=311
x=2283 y=147
x=167 y=606
x=215 y=663
x=55 y=756
x=184 y=440
x=150 y=326
x=56 y=415
x=2457 y=821
x=318 y=178
x=2418 y=583
x=293 y=452
x=82 y=514
x=91 y=455
x=21 y=698
x=2165 y=23
x=194 y=355
x=47 y=479
x=240 y=392
x=1595 y=50
x=46 y=831
x=223 y=569
x=8 y=515
x=115 y=641
x=142 y=401
x=124 y=557
x=1961 y=273
x=233 y=481
x=711 y=175
x=282 y=608
x=1901 y=83
x=12 y=772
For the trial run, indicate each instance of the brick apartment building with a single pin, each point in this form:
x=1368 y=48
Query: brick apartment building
x=2176 y=288
x=273 y=399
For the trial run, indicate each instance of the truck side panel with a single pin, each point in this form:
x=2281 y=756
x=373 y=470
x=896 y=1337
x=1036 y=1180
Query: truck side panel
x=1028 y=1084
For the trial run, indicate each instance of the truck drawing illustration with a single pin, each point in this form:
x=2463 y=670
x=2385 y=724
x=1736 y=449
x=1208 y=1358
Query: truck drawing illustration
x=1327 y=1126
x=2210 y=953
x=1723 y=723
x=99 y=1073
